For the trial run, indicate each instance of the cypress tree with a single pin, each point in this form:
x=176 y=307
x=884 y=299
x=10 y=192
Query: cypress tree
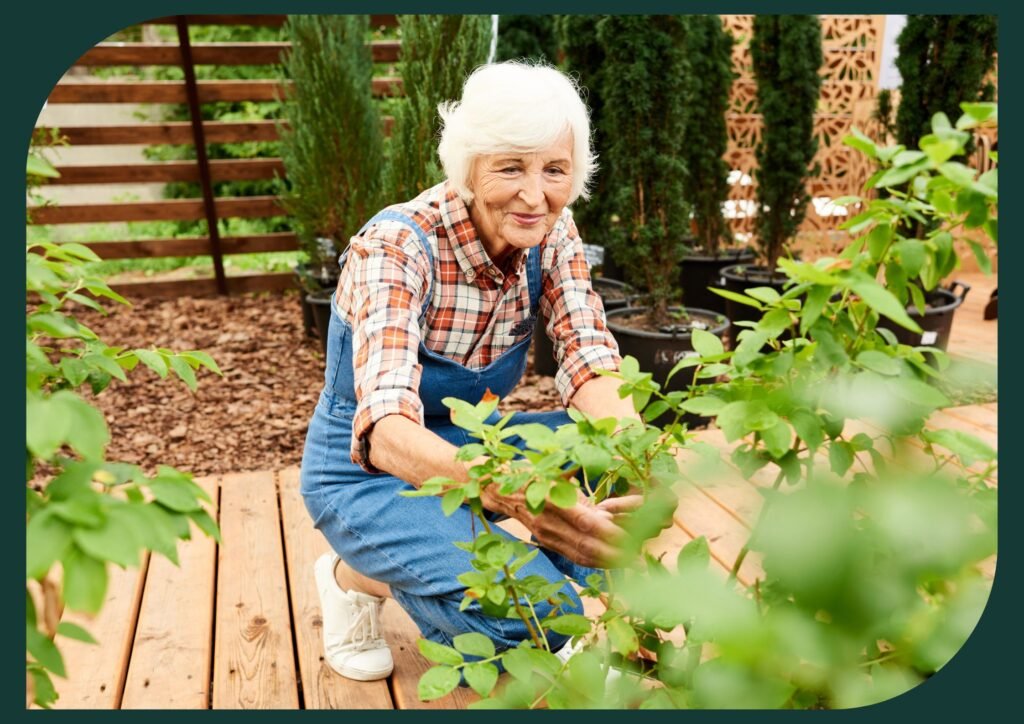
x=333 y=147
x=530 y=37
x=644 y=94
x=943 y=61
x=438 y=53
x=709 y=47
x=786 y=51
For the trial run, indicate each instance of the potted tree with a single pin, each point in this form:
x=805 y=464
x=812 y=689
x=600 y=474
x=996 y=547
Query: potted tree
x=645 y=116
x=786 y=52
x=706 y=186
x=331 y=147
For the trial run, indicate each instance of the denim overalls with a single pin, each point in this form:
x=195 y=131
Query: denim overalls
x=407 y=543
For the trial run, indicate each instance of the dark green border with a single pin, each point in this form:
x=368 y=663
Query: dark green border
x=42 y=38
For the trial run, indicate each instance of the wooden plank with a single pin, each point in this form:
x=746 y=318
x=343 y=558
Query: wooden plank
x=322 y=688
x=242 y=284
x=401 y=634
x=246 y=169
x=171 y=658
x=253 y=664
x=943 y=420
x=194 y=246
x=256 y=53
x=978 y=415
x=172 y=91
x=169 y=209
x=177 y=132
x=96 y=673
x=698 y=516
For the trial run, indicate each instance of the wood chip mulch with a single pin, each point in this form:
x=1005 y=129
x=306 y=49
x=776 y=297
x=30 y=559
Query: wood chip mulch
x=255 y=417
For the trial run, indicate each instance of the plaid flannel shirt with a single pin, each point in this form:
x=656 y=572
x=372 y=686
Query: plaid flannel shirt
x=474 y=309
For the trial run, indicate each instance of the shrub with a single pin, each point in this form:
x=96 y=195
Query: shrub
x=529 y=37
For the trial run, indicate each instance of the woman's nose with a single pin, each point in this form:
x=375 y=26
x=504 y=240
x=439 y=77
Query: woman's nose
x=531 y=190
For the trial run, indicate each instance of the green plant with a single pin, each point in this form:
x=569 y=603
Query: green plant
x=438 y=53
x=332 y=148
x=943 y=61
x=645 y=116
x=706 y=137
x=858 y=600
x=530 y=37
x=786 y=53
x=83 y=511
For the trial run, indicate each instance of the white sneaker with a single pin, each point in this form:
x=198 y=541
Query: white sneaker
x=353 y=645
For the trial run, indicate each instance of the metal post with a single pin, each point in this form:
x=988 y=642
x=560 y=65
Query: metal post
x=199 y=138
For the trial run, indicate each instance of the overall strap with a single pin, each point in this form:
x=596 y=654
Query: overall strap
x=390 y=215
x=534 y=278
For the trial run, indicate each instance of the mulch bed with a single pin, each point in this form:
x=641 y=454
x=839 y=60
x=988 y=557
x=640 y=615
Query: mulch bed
x=255 y=417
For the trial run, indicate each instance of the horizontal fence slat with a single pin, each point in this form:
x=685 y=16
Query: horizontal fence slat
x=267 y=53
x=246 y=207
x=248 y=169
x=271 y=21
x=207 y=286
x=172 y=91
x=194 y=246
x=176 y=132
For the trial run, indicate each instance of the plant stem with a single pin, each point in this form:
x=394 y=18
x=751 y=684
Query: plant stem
x=510 y=581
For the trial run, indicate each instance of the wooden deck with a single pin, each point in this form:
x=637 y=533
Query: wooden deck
x=238 y=625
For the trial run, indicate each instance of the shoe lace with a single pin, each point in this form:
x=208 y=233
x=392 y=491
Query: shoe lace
x=365 y=630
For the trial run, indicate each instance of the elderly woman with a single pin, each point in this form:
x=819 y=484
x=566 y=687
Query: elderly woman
x=438 y=297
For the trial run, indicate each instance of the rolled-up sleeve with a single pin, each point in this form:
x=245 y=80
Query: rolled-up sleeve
x=576 y=321
x=389 y=280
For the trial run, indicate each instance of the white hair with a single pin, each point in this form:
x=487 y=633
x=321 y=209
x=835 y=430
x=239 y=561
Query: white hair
x=514 y=106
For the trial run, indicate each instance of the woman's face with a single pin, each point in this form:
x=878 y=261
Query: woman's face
x=518 y=196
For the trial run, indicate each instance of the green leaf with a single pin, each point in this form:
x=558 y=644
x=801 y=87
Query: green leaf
x=738 y=298
x=536 y=493
x=768 y=295
x=439 y=653
x=474 y=644
x=569 y=624
x=481 y=677
x=452 y=500
x=705 y=405
x=154 y=360
x=840 y=457
x=85 y=581
x=706 y=343
x=622 y=637
x=437 y=682
x=883 y=302
x=74 y=631
x=184 y=371
x=694 y=554
x=808 y=427
x=87 y=433
x=44 y=650
x=206 y=523
x=58 y=326
x=74 y=370
x=919 y=393
x=47 y=539
x=862 y=143
x=981 y=256
x=564 y=494
x=106 y=364
x=38 y=166
x=814 y=304
x=777 y=439
x=774 y=322
x=965 y=446
x=174 y=494
x=204 y=359
x=879 y=362
x=878 y=241
x=958 y=173
x=114 y=542
x=517 y=662
x=46 y=424
x=911 y=254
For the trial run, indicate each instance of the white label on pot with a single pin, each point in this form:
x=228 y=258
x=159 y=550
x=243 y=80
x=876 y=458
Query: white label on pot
x=671 y=356
x=929 y=337
x=721 y=281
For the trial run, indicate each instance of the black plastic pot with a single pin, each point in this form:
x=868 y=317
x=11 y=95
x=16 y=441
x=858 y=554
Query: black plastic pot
x=658 y=352
x=614 y=295
x=700 y=271
x=741 y=277
x=937 y=320
x=308 y=324
x=320 y=305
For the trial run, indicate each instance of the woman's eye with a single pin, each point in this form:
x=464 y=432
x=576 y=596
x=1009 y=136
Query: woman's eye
x=509 y=169
x=555 y=171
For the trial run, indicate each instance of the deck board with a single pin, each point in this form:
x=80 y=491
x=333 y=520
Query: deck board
x=254 y=665
x=322 y=688
x=173 y=650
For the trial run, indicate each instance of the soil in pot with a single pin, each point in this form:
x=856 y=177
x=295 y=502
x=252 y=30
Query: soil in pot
x=614 y=295
x=699 y=271
x=659 y=350
x=937 y=321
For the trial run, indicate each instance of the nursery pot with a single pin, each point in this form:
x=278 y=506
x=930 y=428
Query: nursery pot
x=320 y=304
x=739 y=278
x=937 y=320
x=697 y=272
x=308 y=324
x=658 y=352
x=614 y=295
